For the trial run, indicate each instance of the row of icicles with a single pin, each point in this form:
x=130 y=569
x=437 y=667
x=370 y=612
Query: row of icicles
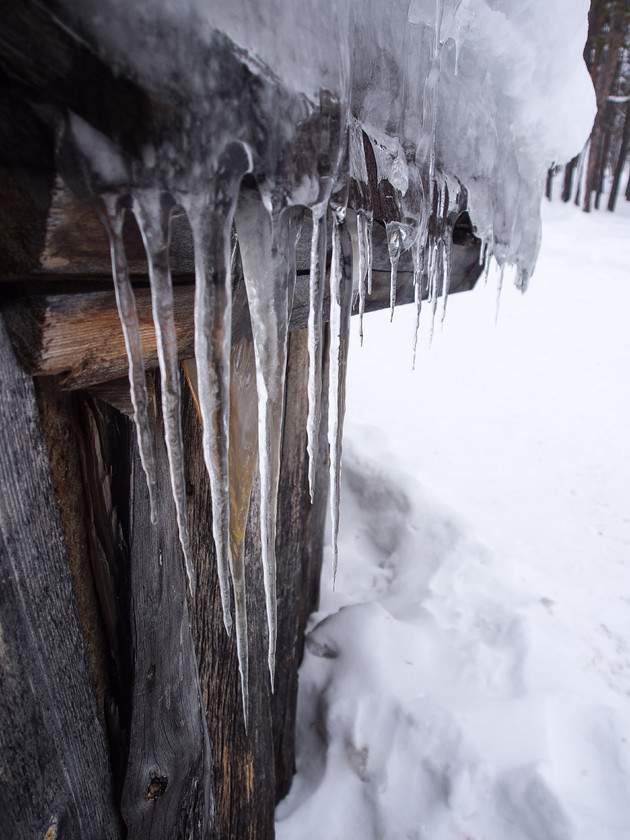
x=224 y=373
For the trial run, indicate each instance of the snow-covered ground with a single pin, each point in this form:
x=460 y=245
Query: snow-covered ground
x=469 y=679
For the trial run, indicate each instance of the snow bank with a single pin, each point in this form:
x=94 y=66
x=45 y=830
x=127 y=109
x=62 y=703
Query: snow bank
x=469 y=678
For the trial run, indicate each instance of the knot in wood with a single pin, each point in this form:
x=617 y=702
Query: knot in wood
x=157 y=787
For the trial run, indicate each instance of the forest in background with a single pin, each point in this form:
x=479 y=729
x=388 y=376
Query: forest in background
x=603 y=159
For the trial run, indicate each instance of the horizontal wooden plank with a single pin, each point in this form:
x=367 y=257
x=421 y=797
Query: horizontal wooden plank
x=78 y=336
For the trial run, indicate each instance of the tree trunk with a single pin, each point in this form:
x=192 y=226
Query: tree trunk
x=621 y=160
x=567 y=186
x=549 y=184
x=603 y=160
x=603 y=73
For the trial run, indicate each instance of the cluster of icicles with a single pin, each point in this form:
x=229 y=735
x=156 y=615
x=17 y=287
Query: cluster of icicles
x=225 y=372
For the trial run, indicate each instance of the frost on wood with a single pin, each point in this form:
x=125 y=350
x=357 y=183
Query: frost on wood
x=359 y=112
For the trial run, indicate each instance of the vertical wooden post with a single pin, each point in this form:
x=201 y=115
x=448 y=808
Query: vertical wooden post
x=254 y=768
x=55 y=778
x=164 y=745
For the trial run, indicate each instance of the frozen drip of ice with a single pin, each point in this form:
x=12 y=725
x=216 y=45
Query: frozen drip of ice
x=243 y=458
x=340 y=310
x=315 y=315
x=152 y=209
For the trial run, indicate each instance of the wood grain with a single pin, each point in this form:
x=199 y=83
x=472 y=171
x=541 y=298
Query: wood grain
x=54 y=773
x=78 y=336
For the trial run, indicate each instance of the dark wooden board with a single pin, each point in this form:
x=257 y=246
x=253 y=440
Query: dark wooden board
x=54 y=774
x=158 y=731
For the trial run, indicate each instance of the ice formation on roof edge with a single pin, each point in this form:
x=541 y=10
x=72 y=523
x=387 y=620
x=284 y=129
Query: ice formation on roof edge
x=415 y=109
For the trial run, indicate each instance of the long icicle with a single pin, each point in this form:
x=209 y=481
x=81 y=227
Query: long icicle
x=340 y=311
x=447 y=250
x=152 y=210
x=243 y=458
x=435 y=267
x=394 y=247
x=315 y=312
x=417 y=254
x=243 y=455
x=265 y=242
x=112 y=215
x=369 y=225
x=213 y=330
x=363 y=259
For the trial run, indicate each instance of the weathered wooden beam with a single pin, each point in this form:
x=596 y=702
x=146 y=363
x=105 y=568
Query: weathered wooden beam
x=55 y=777
x=78 y=336
x=160 y=737
x=168 y=789
x=253 y=767
x=250 y=767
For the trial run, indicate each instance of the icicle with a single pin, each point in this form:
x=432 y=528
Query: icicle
x=213 y=327
x=213 y=324
x=394 y=247
x=369 y=224
x=152 y=210
x=447 y=244
x=243 y=453
x=483 y=249
x=243 y=458
x=363 y=259
x=210 y=215
x=435 y=268
x=522 y=279
x=316 y=306
x=417 y=254
x=489 y=253
x=265 y=243
x=340 y=310
x=112 y=216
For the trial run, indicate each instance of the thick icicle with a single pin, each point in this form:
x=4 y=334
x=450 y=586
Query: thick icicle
x=243 y=454
x=211 y=216
x=243 y=458
x=112 y=215
x=152 y=209
x=369 y=224
x=266 y=242
x=340 y=311
x=363 y=265
x=315 y=312
x=394 y=247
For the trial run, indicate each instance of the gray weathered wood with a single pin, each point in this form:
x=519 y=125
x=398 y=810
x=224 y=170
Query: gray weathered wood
x=252 y=768
x=168 y=786
x=78 y=336
x=54 y=770
x=166 y=765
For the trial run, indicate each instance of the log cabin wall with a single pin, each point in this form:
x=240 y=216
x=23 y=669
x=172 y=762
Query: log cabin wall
x=120 y=705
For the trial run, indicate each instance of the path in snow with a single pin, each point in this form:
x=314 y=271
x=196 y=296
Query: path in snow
x=470 y=676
